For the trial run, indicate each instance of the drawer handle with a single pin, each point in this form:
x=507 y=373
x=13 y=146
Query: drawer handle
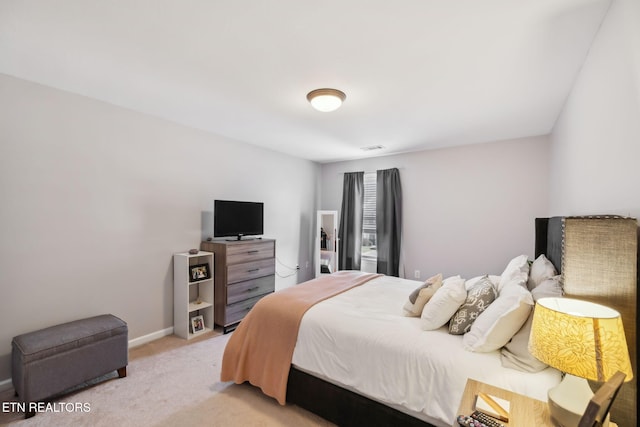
x=253 y=270
x=255 y=251
x=253 y=289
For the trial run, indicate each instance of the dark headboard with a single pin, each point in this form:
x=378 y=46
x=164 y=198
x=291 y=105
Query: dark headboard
x=597 y=257
x=549 y=240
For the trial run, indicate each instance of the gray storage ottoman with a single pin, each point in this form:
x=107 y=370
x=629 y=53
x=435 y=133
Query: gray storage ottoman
x=49 y=361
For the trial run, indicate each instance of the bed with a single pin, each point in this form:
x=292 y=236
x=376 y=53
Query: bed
x=370 y=347
x=398 y=374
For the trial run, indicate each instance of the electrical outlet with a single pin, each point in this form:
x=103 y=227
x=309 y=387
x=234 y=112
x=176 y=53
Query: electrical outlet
x=297 y=267
x=416 y=274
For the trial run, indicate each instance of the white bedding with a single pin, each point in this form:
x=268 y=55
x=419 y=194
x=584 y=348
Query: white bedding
x=360 y=340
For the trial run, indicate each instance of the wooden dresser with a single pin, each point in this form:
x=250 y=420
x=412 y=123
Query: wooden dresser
x=244 y=272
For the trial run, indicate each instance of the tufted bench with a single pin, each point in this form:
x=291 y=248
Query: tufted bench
x=52 y=360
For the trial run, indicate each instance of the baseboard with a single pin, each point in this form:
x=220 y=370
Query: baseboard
x=7 y=384
x=150 y=337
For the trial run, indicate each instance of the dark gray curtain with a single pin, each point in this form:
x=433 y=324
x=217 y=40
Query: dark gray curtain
x=350 y=232
x=388 y=221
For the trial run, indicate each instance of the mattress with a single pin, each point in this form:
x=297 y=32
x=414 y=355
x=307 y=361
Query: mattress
x=361 y=341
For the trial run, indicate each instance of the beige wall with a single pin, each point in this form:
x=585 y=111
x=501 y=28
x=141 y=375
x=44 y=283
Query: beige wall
x=596 y=141
x=96 y=199
x=467 y=210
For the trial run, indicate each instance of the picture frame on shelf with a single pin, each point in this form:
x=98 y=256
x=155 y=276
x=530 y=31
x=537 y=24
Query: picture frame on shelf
x=199 y=272
x=197 y=324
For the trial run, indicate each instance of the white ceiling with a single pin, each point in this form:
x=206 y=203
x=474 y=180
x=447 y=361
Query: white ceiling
x=418 y=74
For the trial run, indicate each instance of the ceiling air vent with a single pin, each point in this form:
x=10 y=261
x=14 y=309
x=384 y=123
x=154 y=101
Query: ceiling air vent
x=372 y=148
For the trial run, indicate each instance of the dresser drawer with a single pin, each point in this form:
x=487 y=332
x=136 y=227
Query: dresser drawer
x=249 y=252
x=244 y=272
x=250 y=288
x=250 y=270
x=236 y=312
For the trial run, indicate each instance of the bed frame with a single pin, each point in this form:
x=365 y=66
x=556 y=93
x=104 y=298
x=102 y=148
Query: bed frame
x=341 y=406
x=561 y=240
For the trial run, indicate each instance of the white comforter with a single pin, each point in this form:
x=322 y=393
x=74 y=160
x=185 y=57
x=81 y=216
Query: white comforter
x=360 y=340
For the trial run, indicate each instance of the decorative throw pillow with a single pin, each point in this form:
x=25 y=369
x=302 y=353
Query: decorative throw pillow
x=478 y=299
x=517 y=269
x=422 y=295
x=444 y=303
x=541 y=270
x=495 y=326
x=515 y=354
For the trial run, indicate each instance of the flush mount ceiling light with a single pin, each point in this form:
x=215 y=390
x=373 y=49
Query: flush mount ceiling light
x=326 y=99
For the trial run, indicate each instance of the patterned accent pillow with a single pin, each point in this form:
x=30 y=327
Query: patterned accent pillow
x=422 y=295
x=478 y=299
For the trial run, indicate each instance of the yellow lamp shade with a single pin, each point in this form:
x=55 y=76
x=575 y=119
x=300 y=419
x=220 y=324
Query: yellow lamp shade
x=580 y=338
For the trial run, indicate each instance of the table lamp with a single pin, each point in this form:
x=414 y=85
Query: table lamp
x=585 y=341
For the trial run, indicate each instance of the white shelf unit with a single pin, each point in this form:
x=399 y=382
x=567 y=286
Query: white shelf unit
x=191 y=298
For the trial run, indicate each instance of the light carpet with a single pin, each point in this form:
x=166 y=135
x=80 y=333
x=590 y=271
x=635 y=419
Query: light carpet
x=169 y=383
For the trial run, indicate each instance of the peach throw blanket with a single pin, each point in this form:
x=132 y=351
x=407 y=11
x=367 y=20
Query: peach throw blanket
x=261 y=348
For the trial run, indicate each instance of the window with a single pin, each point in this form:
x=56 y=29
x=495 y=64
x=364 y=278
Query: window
x=369 y=217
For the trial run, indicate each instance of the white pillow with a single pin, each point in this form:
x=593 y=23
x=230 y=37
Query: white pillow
x=469 y=283
x=551 y=287
x=494 y=279
x=515 y=354
x=495 y=326
x=444 y=303
x=517 y=269
x=541 y=270
x=519 y=280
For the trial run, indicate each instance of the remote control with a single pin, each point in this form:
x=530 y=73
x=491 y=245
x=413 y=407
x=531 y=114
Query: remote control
x=486 y=419
x=464 y=421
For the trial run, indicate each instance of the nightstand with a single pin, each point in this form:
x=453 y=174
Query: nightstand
x=524 y=411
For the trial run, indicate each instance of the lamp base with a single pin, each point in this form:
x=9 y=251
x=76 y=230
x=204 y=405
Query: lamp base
x=568 y=401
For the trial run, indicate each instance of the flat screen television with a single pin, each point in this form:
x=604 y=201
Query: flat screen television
x=238 y=219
